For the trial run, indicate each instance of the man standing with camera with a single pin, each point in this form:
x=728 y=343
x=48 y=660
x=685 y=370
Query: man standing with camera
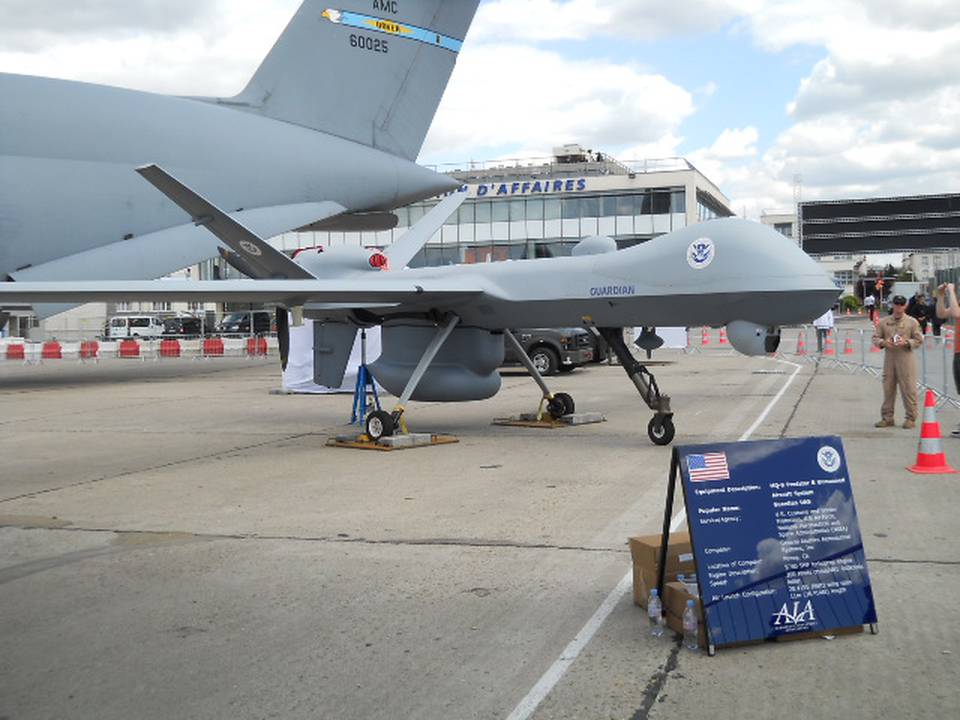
x=949 y=312
x=898 y=335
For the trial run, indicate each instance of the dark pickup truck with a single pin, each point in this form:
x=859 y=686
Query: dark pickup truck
x=554 y=350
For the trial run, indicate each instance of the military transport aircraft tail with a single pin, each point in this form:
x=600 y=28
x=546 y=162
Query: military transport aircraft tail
x=371 y=71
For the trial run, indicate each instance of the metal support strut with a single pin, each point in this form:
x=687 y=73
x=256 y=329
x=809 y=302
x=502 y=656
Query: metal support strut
x=380 y=423
x=364 y=379
x=556 y=405
x=660 y=428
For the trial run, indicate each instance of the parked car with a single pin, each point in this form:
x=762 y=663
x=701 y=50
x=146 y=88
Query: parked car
x=554 y=350
x=238 y=323
x=186 y=325
x=127 y=326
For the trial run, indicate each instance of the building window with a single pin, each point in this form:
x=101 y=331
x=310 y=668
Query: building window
x=784 y=229
x=162 y=307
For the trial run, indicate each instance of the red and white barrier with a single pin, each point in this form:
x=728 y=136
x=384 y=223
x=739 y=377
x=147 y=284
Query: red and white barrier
x=24 y=351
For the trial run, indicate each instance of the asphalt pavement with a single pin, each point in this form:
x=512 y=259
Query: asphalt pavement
x=176 y=541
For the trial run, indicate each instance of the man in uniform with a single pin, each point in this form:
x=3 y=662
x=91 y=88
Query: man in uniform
x=947 y=310
x=899 y=335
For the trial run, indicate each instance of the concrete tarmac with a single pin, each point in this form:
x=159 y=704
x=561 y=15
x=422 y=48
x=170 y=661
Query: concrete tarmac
x=177 y=542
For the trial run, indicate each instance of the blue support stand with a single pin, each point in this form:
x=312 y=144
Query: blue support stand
x=364 y=378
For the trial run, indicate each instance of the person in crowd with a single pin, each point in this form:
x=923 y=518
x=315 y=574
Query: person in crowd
x=917 y=309
x=870 y=303
x=948 y=310
x=898 y=335
x=824 y=325
x=935 y=319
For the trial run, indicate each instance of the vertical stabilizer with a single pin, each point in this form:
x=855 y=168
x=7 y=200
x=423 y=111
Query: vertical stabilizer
x=371 y=71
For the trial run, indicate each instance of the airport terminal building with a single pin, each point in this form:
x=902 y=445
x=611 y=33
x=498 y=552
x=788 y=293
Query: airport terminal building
x=542 y=207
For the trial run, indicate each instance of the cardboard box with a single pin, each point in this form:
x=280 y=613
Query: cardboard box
x=676 y=624
x=646 y=552
x=675 y=598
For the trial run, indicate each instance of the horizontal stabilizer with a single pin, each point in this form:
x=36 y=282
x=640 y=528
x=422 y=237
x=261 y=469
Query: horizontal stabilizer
x=256 y=254
x=354 y=222
x=411 y=242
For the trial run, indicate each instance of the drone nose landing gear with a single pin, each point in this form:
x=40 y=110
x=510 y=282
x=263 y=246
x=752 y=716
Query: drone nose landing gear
x=660 y=429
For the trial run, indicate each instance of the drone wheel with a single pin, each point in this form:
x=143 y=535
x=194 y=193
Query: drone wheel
x=661 y=430
x=379 y=424
x=568 y=405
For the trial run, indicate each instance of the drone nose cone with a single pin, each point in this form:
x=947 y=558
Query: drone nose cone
x=418 y=183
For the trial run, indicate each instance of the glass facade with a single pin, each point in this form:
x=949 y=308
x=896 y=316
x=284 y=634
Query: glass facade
x=491 y=229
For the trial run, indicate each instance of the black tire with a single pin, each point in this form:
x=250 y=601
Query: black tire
x=545 y=360
x=568 y=405
x=379 y=424
x=556 y=408
x=661 y=430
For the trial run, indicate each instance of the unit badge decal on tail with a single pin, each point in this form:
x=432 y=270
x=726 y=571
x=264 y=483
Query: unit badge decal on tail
x=250 y=248
x=700 y=253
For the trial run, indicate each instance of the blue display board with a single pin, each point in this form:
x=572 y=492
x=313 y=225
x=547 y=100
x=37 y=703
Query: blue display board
x=775 y=537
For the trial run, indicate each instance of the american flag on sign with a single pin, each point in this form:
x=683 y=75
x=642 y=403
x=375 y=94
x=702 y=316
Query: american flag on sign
x=709 y=466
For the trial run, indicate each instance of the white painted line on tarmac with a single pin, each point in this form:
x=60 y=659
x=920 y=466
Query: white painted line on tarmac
x=766 y=411
x=555 y=672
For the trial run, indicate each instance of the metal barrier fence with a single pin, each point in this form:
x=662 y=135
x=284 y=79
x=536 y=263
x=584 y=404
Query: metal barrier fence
x=851 y=349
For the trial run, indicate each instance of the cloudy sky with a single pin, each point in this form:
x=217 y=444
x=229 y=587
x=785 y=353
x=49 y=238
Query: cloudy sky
x=855 y=98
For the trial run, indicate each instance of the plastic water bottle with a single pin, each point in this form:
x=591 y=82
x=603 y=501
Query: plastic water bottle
x=691 y=630
x=655 y=613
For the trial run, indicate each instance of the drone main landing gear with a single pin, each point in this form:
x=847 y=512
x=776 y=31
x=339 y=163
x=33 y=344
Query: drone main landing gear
x=556 y=404
x=660 y=429
x=383 y=424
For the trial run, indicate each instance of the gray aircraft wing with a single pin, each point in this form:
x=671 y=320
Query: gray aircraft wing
x=340 y=293
x=259 y=256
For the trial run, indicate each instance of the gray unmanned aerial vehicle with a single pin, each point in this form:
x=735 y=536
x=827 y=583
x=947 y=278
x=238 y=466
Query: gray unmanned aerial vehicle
x=301 y=145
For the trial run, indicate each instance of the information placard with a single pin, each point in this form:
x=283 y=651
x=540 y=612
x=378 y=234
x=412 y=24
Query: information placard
x=775 y=537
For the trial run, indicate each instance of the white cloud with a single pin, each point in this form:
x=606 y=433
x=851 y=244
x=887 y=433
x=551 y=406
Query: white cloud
x=877 y=115
x=538 y=20
x=31 y=25
x=534 y=99
x=145 y=45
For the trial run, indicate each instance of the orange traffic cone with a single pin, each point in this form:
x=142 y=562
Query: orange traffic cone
x=801 y=344
x=723 y=337
x=828 y=348
x=874 y=348
x=705 y=337
x=848 y=346
x=930 y=457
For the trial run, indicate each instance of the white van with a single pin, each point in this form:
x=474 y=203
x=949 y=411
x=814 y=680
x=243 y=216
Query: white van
x=123 y=326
